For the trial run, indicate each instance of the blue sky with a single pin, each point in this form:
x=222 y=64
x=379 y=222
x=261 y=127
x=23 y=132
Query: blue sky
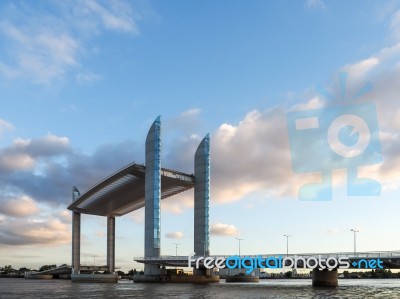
x=82 y=81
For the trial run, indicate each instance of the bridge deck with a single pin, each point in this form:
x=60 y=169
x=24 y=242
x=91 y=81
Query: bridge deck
x=124 y=191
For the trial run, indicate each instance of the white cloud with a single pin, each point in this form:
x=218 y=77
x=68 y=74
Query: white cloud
x=23 y=153
x=332 y=231
x=361 y=68
x=313 y=103
x=186 y=122
x=137 y=216
x=222 y=229
x=38 y=53
x=87 y=77
x=174 y=235
x=27 y=231
x=42 y=46
x=252 y=156
x=100 y=234
x=19 y=206
x=315 y=4
x=117 y=16
x=395 y=25
x=64 y=216
x=178 y=203
x=191 y=112
x=5 y=126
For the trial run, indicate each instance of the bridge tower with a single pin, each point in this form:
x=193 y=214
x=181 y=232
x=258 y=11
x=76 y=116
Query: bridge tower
x=202 y=201
x=202 y=197
x=152 y=209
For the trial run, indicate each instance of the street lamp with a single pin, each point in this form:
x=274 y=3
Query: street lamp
x=176 y=248
x=355 y=231
x=239 y=244
x=287 y=243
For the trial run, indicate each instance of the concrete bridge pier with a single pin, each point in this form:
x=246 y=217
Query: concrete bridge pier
x=111 y=244
x=324 y=278
x=76 y=243
x=202 y=272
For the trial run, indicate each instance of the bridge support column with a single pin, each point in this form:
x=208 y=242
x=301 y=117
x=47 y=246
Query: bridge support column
x=324 y=278
x=202 y=198
x=152 y=209
x=111 y=244
x=76 y=243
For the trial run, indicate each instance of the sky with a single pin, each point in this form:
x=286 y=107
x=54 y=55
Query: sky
x=82 y=81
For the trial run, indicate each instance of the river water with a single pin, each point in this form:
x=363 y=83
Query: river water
x=59 y=289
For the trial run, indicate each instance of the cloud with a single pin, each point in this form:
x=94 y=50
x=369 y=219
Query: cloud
x=313 y=4
x=332 y=231
x=395 y=25
x=362 y=67
x=101 y=234
x=114 y=15
x=87 y=78
x=44 y=43
x=64 y=216
x=137 y=216
x=252 y=156
x=26 y=232
x=38 y=53
x=221 y=229
x=18 y=207
x=46 y=168
x=191 y=112
x=174 y=235
x=23 y=153
x=5 y=126
x=186 y=123
x=178 y=203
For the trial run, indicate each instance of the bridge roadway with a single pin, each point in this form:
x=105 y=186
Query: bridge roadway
x=124 y=191
x=390 y=259
x=67 y=269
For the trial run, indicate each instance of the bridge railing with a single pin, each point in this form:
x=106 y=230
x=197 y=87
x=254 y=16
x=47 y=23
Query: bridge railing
x=365 y=254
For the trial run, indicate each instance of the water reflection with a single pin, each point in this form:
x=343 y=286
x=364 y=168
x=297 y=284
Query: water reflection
x=356 y=288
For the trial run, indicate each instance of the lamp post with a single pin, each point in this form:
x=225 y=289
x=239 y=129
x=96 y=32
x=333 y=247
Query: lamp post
x=354 y=231
x=287 y=243
x=176 y=248
x=239 y=244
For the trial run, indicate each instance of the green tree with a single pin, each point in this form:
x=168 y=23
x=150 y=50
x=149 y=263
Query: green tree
x=8 y=269
x=132 y=272
x=24 y=269
x=121 y=273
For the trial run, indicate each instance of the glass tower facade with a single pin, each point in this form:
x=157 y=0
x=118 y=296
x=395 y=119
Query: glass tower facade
x=202 y=198
x=153 y=190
